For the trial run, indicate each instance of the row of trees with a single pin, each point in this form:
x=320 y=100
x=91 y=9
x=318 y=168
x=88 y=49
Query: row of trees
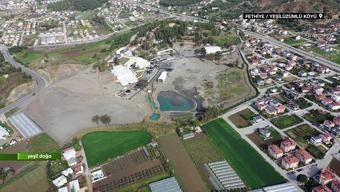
x=79 y=5
x=178 y=2
x=104 y=119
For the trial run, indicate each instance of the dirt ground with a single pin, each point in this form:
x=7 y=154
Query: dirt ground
x=263 y=144
x=16 y=165
x=20 y=91
x=68 y=105
x=184 y=169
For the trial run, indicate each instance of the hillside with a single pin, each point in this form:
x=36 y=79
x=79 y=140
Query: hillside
x=330 y=7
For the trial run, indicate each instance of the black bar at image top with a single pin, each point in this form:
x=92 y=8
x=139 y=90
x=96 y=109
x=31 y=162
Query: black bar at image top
x=306 y=16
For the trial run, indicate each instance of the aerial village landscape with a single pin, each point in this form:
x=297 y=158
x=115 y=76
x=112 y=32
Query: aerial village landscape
x=168 y=96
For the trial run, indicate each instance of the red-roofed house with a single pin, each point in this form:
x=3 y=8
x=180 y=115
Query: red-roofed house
x=326 y=138
x=326 y=177
x=336 y=186
x=326 y=101
x=287 y=145
x=290 y=162
x=328 y=124
x=275 y=151
x=280 y=108
x=304 y=156
x=335 y=106
x=321 y=189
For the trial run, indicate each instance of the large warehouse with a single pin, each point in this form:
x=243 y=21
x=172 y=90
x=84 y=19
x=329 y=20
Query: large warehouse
x=25 y=125
x=165 y=185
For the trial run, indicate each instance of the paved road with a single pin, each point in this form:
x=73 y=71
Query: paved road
x=40 y=82
x=300 y=52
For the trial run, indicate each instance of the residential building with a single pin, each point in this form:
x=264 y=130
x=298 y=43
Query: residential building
x=321 y=189
x=290 y=162
x=264 y=132
x=69 y=155
x=275 y=151
x=336 y=186
x=326 y=177
x=304 y=156
x=287 y=145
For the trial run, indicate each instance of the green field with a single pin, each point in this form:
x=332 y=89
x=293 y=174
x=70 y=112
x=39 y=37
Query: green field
x=101 y=146
x=292 y=41
x=302 y=133
x=249 y=165
x=43 y=143
x=286 y=121
x=333 y=56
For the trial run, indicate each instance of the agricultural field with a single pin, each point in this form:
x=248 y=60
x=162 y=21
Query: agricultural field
x=303 y=103
x=302 y=133
x=184 y=169
x=285 y=121
x=80 y=54
x=43 y=143
x=33 y=178
x=201 y=151
x=255 y=173
x=333 y=55
x=101 y=146
x=317 y=151
x=316 y=118
x=242 y=118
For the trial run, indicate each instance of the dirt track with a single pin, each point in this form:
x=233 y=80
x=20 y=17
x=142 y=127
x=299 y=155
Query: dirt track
x=185 y=171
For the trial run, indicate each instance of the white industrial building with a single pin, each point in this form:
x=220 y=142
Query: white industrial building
x=25 y=125
x=162 y=77
x=124 y=75
x=50 y=38
x=212 y=49
x=165 y=185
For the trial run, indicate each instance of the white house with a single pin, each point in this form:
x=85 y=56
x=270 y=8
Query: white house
x=3 y=133
x=124 y=75
x=60 y=181
x=69 y=155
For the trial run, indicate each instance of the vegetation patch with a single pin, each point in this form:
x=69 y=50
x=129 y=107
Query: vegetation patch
x=101 y=146
x=255 y=173
x=43 y=143
x=242 y=118
x=317 y=151
x=302 y=133
x=285 y=121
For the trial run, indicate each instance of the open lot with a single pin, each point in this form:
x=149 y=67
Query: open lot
x=101 y=146
x=242 y=118
x=248 y=164
x=286 y=121
x=67 y=106
x=302 y=133
x=43 y=143
x=201 y=151
x=184 y=169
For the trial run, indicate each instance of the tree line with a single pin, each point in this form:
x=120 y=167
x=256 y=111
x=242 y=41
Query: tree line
x=78 y=5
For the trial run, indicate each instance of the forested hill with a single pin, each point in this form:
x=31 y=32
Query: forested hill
x=78 y=5
x=178 y=2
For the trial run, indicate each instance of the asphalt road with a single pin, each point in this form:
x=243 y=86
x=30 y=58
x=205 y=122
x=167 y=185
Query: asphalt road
x=300 y=52
x=40 y=82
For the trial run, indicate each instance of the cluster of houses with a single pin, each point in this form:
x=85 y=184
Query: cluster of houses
x=80 y=30
x=291 y=160
x=68 y=180
x=327 y=178
x=332 y=126
x=270 y=106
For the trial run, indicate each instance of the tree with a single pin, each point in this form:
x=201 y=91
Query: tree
x=4 y=173
x=105 y=119
x=302 y=178
x=95 y=119
x=218 y=56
